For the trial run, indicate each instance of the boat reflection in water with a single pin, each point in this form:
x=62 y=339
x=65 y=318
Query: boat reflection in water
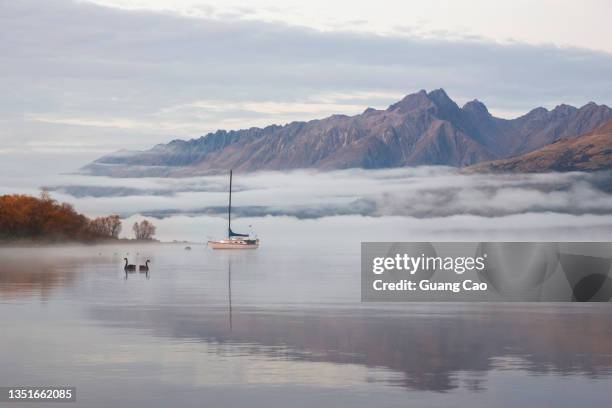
x=234 y=240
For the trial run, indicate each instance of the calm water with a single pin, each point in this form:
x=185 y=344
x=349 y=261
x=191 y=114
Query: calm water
x=277 y=327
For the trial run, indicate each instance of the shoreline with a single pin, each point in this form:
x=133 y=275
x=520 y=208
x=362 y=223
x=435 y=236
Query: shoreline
x=40 y=244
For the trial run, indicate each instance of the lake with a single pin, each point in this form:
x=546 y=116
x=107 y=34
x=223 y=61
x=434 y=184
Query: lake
x=284 y=325
x=277 y=326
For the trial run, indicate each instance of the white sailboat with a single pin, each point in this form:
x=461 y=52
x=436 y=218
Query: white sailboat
x=234 y=240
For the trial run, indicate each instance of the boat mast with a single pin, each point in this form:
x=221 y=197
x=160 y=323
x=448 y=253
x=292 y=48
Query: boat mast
x=229 y=209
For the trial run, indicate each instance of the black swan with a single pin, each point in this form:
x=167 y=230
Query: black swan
x=145 y=267
x=129 y=267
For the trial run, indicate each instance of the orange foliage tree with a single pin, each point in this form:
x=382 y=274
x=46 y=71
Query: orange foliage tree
x=27 y=217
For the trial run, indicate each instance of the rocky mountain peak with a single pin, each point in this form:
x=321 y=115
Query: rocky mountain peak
x=564 y=109
x=440 y=97
x=537 y=113
x=477 y=108
x=419 y=100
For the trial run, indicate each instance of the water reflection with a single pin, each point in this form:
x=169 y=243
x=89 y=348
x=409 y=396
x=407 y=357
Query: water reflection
x=429 y=350
x=229 y=290
x=21 y=277
x=42 y=271
x=146 y=274
x=429 y=345
x=243 y=311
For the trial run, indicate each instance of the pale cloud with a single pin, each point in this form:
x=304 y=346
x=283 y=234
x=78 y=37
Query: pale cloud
x=201 y=115
x=313 y=106
x=527 y=21
x=131 y=77
x=266 y=107
x=92 y=122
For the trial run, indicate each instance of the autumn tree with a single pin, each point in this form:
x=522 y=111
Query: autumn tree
x=114 y=225
x=144 y=230
x=109 y=227
x=27 y=217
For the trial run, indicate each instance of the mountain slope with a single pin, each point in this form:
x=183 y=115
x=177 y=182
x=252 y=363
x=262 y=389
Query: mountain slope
x=423 y=128
x=589 y=152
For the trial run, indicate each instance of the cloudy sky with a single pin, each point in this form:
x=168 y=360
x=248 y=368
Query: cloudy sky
x=96 y=76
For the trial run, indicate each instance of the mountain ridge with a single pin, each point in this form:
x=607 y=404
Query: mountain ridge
x=423 y=128
x=588 y=152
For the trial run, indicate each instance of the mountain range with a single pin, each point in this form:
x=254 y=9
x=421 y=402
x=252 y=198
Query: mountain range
x=589 y=152
x=424 y=128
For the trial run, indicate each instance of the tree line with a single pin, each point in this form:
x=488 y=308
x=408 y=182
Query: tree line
x=43 y=218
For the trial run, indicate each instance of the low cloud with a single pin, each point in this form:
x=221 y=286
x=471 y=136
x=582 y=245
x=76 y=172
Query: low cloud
x=423 y=203
x=421 y=192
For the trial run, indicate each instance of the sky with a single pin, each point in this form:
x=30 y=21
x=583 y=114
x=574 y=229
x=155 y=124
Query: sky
x=90 y=77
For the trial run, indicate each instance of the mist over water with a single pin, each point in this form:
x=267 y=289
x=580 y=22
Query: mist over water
x=423 y=203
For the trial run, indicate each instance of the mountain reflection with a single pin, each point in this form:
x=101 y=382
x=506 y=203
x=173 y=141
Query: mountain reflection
x=428 y=349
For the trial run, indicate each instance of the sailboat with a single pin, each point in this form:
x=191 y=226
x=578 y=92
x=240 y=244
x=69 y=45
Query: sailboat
x=234 y=240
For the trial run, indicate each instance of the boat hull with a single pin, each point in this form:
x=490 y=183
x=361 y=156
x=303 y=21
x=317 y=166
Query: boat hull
x=233 y=245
